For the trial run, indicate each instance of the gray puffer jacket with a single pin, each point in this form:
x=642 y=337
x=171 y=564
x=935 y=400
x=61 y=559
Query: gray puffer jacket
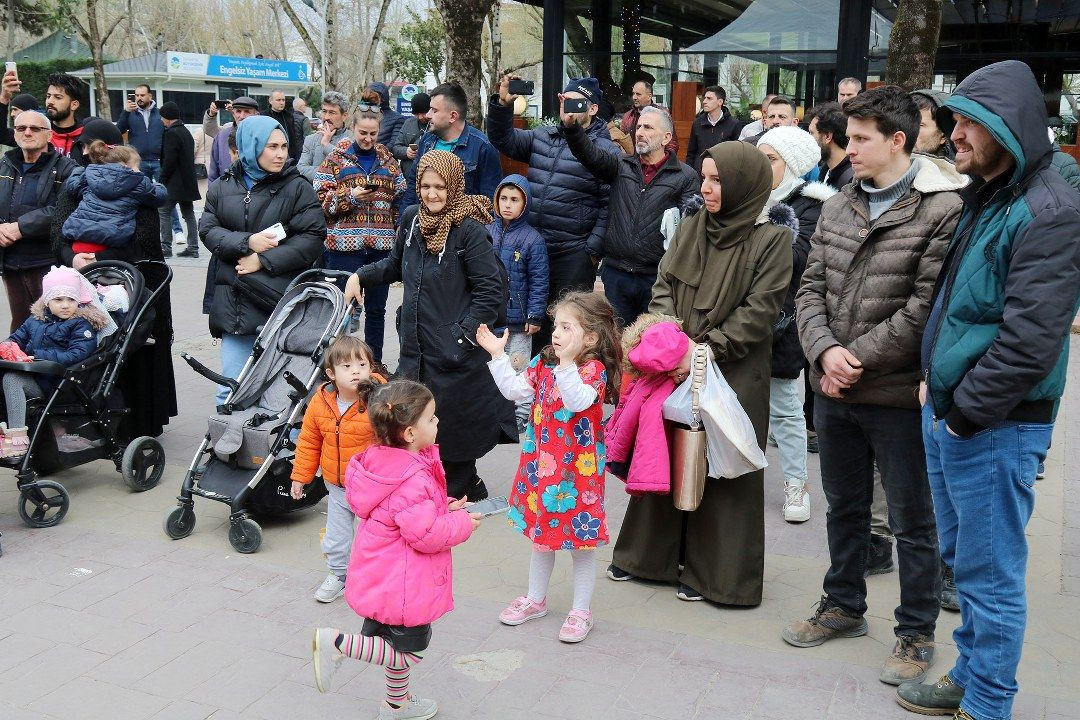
x=867 y=285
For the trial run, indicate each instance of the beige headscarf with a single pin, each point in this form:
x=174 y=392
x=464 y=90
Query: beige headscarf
x=436 y=227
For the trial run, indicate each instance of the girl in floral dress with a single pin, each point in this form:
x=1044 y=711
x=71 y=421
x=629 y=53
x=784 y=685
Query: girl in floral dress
x=558 y=496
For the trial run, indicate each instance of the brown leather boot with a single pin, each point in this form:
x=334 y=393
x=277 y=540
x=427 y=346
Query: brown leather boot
x=829 y=621
x=910 y=660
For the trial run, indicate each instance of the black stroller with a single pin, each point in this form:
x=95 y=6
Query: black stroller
x=80 y=420
x=245 y=459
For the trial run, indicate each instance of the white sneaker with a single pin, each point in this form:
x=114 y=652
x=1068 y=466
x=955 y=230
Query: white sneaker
x=796 y=503
x=326 y=658
x=179 y=238
x=415 y=709
x=330 y=590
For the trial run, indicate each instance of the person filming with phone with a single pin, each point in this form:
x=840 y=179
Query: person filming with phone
x=360 y=185
x=569 y=205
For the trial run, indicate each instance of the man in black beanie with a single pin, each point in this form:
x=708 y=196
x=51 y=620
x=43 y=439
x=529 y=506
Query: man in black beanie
x=178 y=177
x=404 y=144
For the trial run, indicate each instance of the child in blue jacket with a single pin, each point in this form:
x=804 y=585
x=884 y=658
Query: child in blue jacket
x=524 y=254
x=62 y=327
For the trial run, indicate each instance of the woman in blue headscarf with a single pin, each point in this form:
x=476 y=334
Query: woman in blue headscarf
x=261 y=189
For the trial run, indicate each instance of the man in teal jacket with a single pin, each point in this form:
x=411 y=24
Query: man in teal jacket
x=994 y=359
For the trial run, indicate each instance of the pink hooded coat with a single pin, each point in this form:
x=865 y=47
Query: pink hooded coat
x=636 y=432
x=400 y=572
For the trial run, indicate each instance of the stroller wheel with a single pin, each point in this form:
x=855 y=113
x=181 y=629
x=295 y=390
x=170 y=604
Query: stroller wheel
x=180 y=522
x=143 y=463
x=43 y=503
x=245 y=535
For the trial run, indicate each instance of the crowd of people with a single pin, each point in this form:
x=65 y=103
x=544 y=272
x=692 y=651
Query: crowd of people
x=887 y=281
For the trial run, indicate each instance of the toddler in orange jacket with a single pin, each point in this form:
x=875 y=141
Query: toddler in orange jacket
x=336 y=427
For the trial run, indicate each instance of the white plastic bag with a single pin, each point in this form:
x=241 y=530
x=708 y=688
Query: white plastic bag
x=669 y=225
x=731 y=444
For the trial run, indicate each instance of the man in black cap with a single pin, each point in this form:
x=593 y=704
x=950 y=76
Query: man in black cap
x=404 y=145
x=178 y=177
x=569 y=205
x=241 y=108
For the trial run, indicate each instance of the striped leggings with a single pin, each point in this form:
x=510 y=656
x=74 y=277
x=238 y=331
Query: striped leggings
x=378 y=651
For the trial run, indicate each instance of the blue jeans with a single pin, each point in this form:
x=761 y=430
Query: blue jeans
x=984 y=493
x=235 y=350
x=152 y=170
x=629 y=293
x=374 y=297
x=788 y=429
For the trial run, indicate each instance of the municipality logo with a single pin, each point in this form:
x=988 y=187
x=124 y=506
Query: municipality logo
x=174 y=62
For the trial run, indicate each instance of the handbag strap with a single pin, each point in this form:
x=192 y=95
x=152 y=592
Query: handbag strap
x=697 y=383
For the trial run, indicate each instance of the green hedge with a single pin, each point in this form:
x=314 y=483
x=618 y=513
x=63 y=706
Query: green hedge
x=34 y=74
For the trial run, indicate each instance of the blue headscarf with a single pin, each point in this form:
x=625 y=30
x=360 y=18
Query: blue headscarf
x=251 y=137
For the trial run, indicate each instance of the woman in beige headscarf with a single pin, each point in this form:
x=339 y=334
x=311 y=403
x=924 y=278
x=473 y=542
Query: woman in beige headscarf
x=453 y=282
x=725 y=278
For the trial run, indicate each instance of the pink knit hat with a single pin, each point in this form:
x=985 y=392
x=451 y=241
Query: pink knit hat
x=661 y=349
x=65 y=282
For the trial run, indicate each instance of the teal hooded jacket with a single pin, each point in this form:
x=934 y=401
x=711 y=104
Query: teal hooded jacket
x=996 y=341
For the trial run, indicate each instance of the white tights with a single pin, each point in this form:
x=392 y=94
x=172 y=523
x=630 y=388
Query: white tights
x=543 y=562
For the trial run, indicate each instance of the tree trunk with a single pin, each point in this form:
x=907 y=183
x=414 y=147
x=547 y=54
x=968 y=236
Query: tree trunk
x=311 y=44
x=496 y=68
x=369 y=58
x=913 y=44
x=331 y=45
x=464 y=20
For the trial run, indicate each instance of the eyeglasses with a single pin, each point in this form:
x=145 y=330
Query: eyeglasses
x=31 y=128
x=367 y=107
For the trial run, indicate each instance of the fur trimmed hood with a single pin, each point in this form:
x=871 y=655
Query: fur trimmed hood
x=97 y=319
x=937 y=175
x=631 y=336
x=818 y=190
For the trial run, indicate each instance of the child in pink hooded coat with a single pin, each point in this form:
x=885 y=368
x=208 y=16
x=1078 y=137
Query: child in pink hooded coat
x=400 y=573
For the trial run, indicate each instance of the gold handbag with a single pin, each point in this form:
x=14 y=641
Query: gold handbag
x=688 y=444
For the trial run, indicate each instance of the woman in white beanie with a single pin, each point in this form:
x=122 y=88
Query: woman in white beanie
x=796 y=204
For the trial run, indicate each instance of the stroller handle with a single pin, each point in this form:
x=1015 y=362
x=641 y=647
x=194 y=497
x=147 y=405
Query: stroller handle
x=319 y=273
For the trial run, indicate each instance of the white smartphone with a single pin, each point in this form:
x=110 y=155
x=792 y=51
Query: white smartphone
x=10 y=66
x=277 y=229
x=489 y=507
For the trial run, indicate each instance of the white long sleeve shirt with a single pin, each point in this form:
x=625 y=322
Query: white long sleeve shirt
x=576 y=395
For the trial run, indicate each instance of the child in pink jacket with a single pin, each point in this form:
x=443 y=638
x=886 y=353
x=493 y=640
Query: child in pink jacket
x=400 y=573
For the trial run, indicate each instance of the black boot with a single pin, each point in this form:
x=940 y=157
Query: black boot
x=879 y=556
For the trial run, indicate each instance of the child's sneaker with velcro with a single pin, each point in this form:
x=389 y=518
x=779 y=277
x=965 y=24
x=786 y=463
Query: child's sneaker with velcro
x=577 y=626
x=522 y=610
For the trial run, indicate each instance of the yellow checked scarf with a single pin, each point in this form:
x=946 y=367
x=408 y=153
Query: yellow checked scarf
x=436 y=227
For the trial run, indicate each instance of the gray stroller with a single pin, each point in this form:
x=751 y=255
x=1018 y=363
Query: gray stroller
x=245 y=458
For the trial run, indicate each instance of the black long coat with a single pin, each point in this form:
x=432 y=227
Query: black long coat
x=178 y=163
x=446 y=297
x=146 y=380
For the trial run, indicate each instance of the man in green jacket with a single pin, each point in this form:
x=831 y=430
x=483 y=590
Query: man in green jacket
x=994 y=359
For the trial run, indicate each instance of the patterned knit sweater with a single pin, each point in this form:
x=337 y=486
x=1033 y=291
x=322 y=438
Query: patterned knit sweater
x=367 y=223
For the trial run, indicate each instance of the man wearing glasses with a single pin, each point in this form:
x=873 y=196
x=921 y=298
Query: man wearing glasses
x=30 y=177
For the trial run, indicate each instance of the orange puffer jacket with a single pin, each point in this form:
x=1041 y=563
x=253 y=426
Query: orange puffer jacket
x=328 y=439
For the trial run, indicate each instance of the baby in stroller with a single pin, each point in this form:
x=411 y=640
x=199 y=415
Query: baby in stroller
x=62 y=327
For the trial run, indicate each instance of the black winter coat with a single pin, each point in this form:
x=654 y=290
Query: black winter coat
x=446 y=297
x=30 y=199
x=232 y=214
x=634 y=242
x=146 y=379
x=806 y=201
x=294 y=133
x=570 y=205
x=178 y=164
x=703 y=135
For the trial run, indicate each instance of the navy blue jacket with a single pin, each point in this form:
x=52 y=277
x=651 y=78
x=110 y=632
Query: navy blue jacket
x=524 y=254
x=570 y=207
x=111 y=196
x=147 y=140
x=67 y=342
x=483 y=170
x=391 y=119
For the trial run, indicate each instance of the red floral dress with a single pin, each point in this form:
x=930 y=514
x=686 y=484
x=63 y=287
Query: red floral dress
x=558 y=495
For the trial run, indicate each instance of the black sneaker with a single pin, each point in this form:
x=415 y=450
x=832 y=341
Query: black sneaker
x=478 y=491
x=189 y=253
x=948 y=598
x=689 y=594
x=166 y=252
x=618 y=574
x=879 y=556
x=811 y=442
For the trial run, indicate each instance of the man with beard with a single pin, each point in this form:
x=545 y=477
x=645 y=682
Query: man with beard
x=994 y=364
x=61 y=104
x=643 y=186
x=641 y=97
x=828 y=125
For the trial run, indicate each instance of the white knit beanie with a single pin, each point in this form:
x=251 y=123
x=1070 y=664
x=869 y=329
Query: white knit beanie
x=796 y=147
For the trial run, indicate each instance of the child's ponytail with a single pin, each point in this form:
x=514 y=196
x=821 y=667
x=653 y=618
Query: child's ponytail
x=394 y=407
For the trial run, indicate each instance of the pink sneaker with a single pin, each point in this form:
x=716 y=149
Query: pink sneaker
x=522 y=610
x=577 y=626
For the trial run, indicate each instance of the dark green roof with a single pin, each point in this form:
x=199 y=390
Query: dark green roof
x=57 y=46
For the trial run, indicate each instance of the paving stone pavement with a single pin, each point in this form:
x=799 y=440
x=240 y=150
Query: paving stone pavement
x=104 y=617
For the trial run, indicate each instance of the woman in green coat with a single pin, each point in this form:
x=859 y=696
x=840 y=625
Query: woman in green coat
x=725 y=277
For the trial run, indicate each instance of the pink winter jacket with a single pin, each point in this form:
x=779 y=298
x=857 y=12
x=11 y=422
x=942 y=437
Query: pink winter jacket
x=400 y=572
x=636 y=434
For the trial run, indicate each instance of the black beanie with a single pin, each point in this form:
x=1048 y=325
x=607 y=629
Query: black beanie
x=169 y=111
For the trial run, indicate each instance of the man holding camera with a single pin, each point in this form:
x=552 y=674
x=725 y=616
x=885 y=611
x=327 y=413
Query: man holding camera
x=569 y=205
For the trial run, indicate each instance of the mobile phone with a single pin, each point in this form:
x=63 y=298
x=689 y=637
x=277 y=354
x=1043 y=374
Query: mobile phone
x=371 y=186
x=277 y=229
x=413 y=146
x=131 y=97
x=222 y=103
x=575 y=105
x=489 y=507
x=10 y=66
x=521 y=87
